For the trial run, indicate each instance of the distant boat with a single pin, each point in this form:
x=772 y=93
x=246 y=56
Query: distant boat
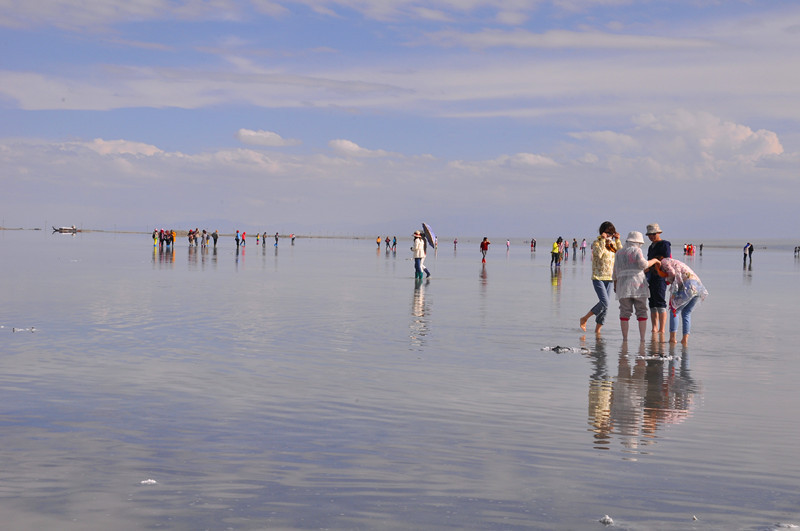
x=66 y=230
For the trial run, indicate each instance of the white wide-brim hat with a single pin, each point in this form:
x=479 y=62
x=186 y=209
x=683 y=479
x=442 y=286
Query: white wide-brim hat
x=635 y=236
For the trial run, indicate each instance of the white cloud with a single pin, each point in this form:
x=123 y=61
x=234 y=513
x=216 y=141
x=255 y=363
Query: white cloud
x=264 y=138
x=122 y=147
x=710 y=137
x=681 y=144
x=350 y=148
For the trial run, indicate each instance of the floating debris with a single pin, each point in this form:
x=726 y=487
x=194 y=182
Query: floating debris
x=559 y=349
x=31 y=329
x=149 y=482
x=606 y=520
x=786 y=526
x=658 y=358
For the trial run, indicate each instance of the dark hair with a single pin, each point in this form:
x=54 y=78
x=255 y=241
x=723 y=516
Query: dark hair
x=608 y=227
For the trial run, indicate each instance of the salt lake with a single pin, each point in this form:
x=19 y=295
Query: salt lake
x=318 y=386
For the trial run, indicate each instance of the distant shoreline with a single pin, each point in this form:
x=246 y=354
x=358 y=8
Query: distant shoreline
x=543 y=244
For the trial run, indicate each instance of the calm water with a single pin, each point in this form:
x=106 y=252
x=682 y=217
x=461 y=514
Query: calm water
x=316 y=386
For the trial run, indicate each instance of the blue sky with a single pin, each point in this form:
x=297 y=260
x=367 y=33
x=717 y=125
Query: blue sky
x=513 y=118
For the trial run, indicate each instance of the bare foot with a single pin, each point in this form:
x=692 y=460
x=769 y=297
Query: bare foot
x=672 y=338
x=597 y=329
x=685 y=340
x=583 y=323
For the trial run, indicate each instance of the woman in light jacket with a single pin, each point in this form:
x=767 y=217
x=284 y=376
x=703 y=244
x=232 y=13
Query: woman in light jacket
x=604 y=250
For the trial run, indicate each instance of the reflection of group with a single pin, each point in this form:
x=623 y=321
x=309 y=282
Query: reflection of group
x=636 y=279
x=640 y=399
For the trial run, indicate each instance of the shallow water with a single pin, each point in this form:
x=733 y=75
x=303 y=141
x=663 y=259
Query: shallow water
x=319 y=386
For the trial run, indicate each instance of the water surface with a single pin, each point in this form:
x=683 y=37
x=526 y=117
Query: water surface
x=319 y=386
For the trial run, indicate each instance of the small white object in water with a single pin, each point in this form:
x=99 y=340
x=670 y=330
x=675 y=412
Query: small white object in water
x=559 y=349
x=149 y=482
x=606 y=520
x=658 y=358
x=31 y=329
x=786 y=526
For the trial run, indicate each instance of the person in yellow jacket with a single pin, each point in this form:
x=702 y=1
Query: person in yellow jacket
x=604 y=251
x=555 y=254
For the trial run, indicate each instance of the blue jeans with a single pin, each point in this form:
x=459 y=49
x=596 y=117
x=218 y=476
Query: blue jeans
x=418 y=267
x=603 y=289
x=686 y=317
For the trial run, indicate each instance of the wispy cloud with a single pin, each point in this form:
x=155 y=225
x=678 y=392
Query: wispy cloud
x=265 y=138
x=350 y=148
x=561 y=39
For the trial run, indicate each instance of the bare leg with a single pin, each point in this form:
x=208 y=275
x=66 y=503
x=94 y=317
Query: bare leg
x=685 y=340
x=597 y=328
x=673 y=337
x=584 y=319
x=642 y=329
x=654 y=319
x=624 y=324
x=662 y=322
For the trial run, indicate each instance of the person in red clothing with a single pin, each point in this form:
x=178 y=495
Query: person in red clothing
x=485 y=247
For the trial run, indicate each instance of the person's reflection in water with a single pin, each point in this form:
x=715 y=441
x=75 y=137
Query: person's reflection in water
x=600 y=386
x=237 y=256
x=419 y=315
x=555 y=283
x=192 y=257
x=627 y=398
x=483 y=275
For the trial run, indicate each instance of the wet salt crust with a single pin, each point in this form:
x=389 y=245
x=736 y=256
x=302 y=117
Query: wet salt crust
x=319 y=386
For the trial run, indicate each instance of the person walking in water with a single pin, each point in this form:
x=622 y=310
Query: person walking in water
x=630 y=283
x=214 y=236
x=276 y=240
x=583 y=248
x=485 y=248
x=418 y=248
x=657 y=285
x=237 y=239
x=604 y=250
x=555 y=253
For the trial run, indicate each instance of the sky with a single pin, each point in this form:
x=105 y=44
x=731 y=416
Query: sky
x=511 y=118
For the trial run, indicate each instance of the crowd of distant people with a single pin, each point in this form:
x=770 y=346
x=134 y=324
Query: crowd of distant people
x=203 y=238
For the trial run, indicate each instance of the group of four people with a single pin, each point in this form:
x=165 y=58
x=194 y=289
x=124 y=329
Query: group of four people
x=638 y=280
